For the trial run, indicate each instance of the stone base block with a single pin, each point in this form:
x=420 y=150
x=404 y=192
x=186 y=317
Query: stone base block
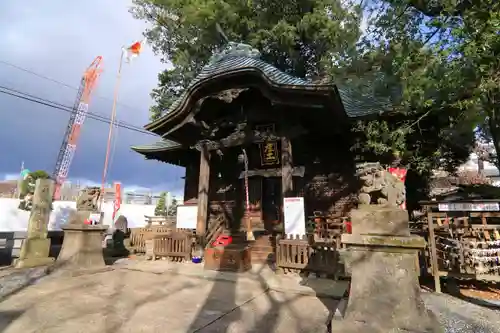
x=357 y=327
x=380 y=220
x=82 y=247
x=385 y=293
x=233 y=258
x=32 y=262
x=34 y=252
x=374 y=326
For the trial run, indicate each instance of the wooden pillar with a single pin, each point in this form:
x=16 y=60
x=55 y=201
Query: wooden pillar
x=286 y=167
x=203 y=187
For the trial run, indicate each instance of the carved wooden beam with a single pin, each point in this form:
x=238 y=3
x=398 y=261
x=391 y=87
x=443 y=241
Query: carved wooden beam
x=243 y=136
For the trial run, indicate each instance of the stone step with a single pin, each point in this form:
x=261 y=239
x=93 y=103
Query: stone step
x=266 y=249
x=262 y=257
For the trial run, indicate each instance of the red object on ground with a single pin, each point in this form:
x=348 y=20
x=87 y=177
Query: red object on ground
x=348 y=226
x=222 y=241
x=87 y=221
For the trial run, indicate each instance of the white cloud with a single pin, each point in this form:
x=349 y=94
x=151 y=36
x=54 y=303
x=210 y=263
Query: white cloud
x=10 y=176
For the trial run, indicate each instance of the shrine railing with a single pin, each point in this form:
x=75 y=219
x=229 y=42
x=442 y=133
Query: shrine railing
x=463 y=241
x=176 y=246
x=304 y=255
x=138 y=236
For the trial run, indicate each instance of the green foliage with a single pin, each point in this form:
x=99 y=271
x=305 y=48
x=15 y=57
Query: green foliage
x=301 y=37
x=463 y=37
x=436 y=61
x=172 y=209
x=28 y=184
x=161 y=208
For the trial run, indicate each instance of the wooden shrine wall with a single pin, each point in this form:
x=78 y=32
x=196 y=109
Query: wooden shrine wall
x=191 y=181
x=329 y=184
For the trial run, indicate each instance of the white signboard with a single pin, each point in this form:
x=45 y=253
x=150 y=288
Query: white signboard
x=469 y=206
x=295 y=219
x=187 y=216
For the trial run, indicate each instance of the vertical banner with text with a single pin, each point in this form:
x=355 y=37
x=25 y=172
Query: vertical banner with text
x=117 y=202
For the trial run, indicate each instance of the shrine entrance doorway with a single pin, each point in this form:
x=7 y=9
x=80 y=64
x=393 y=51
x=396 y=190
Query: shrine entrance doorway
x=272 y=204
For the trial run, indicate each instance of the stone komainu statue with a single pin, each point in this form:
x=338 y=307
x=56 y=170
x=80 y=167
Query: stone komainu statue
x=379 y=186
x=88 y=200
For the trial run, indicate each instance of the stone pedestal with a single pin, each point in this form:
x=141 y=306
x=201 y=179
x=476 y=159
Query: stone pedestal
x=385 y=292
x=34 y=252
x=36 y=247
x=82 y=247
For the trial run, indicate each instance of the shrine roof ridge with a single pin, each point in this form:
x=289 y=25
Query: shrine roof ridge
x=160 y=145
x=230 y=65
x=355 y=103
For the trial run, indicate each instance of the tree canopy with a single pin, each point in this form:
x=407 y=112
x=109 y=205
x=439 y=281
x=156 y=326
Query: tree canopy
x=28 y=184
x=436 y=61
x=161 y=205
x=300 y=37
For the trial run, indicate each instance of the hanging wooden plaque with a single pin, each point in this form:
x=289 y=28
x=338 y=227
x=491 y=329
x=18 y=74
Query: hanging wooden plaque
x=269 y=151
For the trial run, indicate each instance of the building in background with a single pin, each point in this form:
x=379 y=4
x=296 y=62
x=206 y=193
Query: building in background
x=484 y=167
x=8 y=188
x=71 y=190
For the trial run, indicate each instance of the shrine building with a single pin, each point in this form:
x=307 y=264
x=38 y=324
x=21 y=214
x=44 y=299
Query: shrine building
x=243 y=117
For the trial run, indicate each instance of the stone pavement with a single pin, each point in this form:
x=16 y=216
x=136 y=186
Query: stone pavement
x=127 y=300
x=261 y=274
x=139 y=296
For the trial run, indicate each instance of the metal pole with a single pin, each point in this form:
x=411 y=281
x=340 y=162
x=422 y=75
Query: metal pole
x=111 y=126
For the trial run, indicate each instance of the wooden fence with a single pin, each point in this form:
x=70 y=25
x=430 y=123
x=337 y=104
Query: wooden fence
x=304 y=255
x=462 y=244
x=176 y=245
x=138 y=236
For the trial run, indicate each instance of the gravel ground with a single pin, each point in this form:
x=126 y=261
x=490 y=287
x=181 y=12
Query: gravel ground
x=458 y=316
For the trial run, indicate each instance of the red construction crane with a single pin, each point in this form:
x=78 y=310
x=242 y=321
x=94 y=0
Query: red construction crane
x=76 y=120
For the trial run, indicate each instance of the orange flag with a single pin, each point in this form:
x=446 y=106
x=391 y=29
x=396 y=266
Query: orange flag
x=133 y=51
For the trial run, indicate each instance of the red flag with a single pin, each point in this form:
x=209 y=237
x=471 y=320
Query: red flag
x=117 y=201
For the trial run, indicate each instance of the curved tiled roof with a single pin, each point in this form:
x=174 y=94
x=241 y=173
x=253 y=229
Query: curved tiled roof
x=161 y=145
x=239 y=64
x=356 y=104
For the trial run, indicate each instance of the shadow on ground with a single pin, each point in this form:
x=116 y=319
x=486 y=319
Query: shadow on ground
x=264 y=312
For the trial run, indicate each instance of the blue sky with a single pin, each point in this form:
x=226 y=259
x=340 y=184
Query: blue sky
x=59 y=39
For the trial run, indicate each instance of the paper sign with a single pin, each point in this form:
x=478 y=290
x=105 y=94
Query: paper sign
x=187 y=216
x=295 y=219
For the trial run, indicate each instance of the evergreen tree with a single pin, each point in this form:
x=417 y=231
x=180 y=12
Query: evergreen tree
x=172 y=210
x=161 y=208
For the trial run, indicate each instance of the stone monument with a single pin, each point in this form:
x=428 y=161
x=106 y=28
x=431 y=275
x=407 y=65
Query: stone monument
x=381 y=256
x=36 y=247
x=82 y=246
